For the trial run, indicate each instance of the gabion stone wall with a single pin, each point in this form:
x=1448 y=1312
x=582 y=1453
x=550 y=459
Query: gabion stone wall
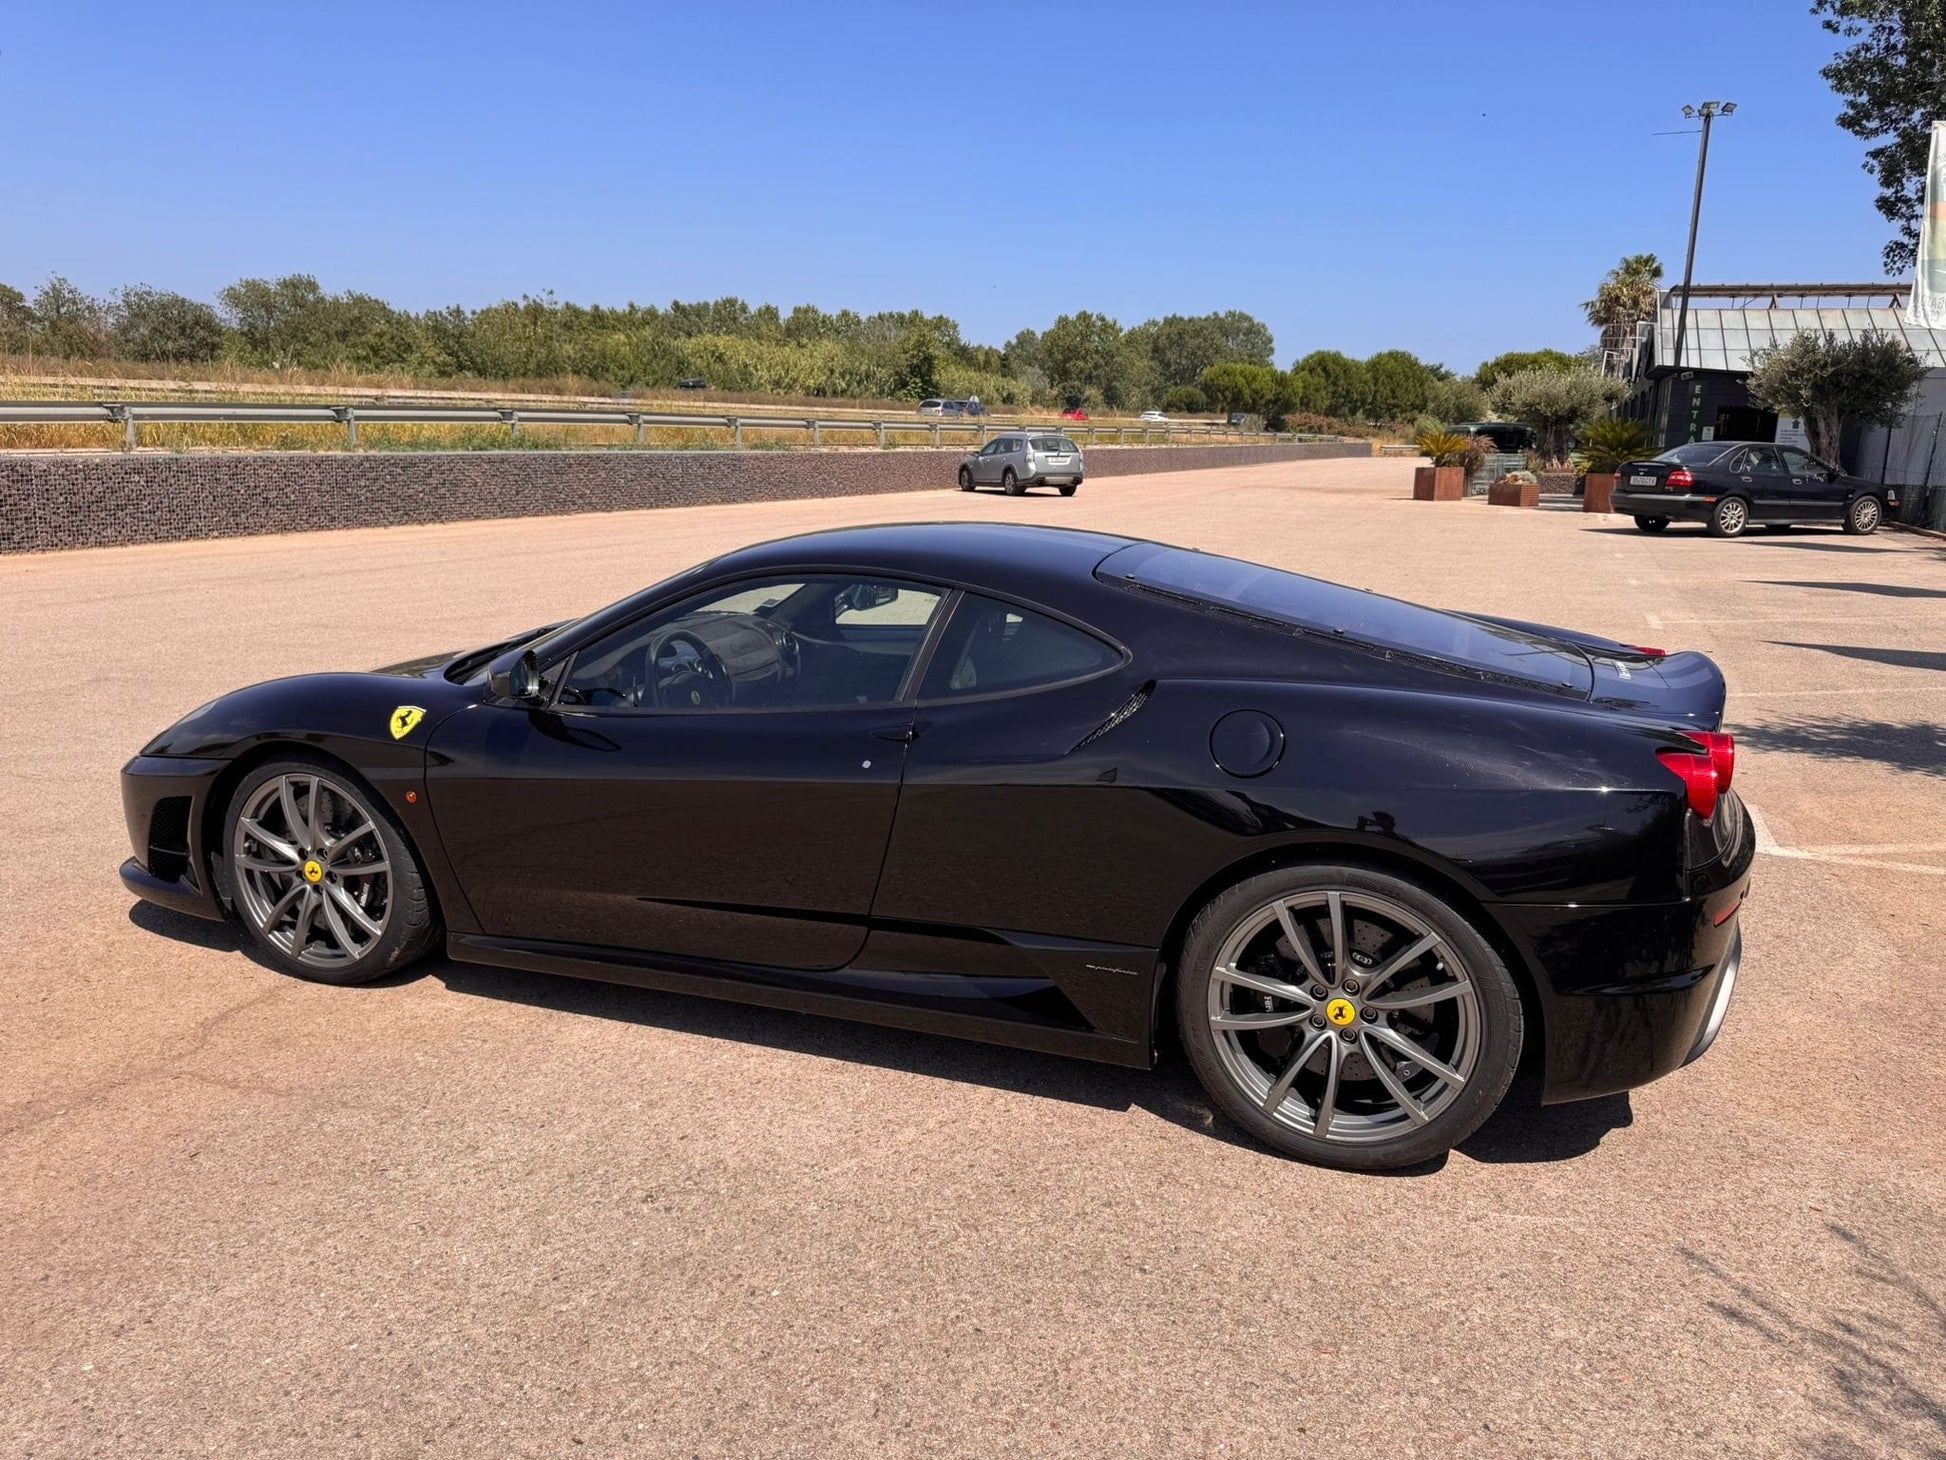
x=53 y=502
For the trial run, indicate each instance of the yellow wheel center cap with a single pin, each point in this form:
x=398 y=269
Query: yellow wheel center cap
x=1341 y=1012
x=314 y=872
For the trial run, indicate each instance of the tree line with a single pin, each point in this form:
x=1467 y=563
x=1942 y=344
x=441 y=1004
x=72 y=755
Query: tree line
x=1186 y=364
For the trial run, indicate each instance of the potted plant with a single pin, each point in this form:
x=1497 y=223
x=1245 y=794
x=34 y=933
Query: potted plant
x=1515 y=489
x=1445 y=479
x=1605 y=446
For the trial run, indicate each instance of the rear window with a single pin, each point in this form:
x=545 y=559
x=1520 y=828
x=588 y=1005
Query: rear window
x=1696 y=453
x=1370 y=619
x=1054 y=445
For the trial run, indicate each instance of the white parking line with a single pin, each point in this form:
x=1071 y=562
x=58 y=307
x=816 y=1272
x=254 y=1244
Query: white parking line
x=1768 y=846
x=1874 y=689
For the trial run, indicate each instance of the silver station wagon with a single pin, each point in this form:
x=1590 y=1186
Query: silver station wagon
x=1022 y=459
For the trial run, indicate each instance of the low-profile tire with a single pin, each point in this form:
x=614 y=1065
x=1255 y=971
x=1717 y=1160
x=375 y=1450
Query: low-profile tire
x=1729 y=517
x=1652 y=524
x=1330 y=1033
x=1779 y=526
x=321 y=874
x=966 y=479
x=1864 y=515
x=1068 y=490
x=1010 y=484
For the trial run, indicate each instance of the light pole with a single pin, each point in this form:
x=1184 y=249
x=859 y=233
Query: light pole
x=1709 y=111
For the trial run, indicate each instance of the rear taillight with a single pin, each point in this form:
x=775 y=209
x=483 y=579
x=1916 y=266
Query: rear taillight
x=1706 y=771
x=1646 y=652
x=1681 y=480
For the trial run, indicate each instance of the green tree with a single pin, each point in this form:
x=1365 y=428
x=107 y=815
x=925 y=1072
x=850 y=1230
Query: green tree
x=1185 y=400
x=1182 y=347
x=1493 y=371
x=1625 y=298
x=16 y=322
x=1398 y=384
x=70 y=323
x=1235 y=386
x=157 y=325
x=1892 y=76
x=1087 y=352
x=1339 y=386
x=1455 y=401
x=1554 y=402
x=918 y=373
x=1828 y=382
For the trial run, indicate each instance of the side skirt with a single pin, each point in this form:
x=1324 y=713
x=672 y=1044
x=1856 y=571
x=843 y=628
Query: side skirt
x=786 y=989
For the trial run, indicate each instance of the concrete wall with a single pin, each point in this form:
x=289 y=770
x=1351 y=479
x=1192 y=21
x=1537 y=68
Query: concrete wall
x=53 y=502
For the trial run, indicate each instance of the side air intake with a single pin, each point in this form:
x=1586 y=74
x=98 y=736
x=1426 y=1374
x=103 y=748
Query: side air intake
x=1133 y=703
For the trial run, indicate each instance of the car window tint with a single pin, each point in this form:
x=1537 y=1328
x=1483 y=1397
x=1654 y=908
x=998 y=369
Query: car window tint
x=1052 y=444
x=1350 y=614
x=1696 y=453
x=991 y=646
x=1764 y=460
x=799 y=643
x=1801 y=463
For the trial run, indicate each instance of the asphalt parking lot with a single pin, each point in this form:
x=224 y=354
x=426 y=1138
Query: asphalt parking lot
x=473 y=1212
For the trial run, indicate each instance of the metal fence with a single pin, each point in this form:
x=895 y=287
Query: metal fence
x=133 y=415
x=1913 y=458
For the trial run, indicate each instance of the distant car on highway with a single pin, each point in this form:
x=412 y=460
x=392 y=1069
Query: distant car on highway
x=939 y=406
x=1022 y=459
x=1730 y=485
x=1154 y=416
x=1074 y=413
x=694 y=382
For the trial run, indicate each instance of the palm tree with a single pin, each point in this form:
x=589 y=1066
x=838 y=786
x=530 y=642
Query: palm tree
x=1626 y=298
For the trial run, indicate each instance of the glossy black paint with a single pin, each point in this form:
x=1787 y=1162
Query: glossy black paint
x=1019 y=867
x=1782 y=485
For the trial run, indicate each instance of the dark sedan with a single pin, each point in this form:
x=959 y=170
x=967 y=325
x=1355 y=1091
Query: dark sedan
x=1730 y=485
x=1041 y=787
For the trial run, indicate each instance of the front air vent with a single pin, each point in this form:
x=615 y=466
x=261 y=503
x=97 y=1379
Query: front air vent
x=1134 y=703
x=169 y=838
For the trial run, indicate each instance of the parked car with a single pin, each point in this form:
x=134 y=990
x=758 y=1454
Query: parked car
x=1729 y=485
x=1154 y=416
x=1074 y=413
x=1018 y=460
x=1038 y=787
x=1238 y=420
x=693 y=382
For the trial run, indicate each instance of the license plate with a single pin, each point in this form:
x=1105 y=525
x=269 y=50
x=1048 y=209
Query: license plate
x=1639 y=481
x=1057 y=461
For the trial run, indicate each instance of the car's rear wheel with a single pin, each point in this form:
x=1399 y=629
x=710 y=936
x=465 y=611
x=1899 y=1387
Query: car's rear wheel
x=1068 y=490
x=1010 y=484
x=1347 y=1016
x=1729 y=517
x=1652 y=524
x=323 y=876
x=966 y=479
x=1864 y=516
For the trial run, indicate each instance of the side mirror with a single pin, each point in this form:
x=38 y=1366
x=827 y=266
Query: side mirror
x=863 y=596
x=516 y=677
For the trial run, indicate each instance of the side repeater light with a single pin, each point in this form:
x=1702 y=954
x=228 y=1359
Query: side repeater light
x=1706 y=772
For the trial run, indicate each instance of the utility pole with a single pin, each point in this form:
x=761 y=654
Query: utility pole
x=1709 y=111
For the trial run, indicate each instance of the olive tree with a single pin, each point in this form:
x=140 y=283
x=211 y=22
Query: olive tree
x=1827 y=382
x=1554 y=402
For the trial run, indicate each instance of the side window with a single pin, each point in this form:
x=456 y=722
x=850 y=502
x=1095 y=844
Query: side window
x=1801 y=463
x=796 y=643
x=994 y=448
x=1762 y=459
x=990 y=647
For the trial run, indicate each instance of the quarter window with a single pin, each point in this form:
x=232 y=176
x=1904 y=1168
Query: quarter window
x=778 y=644
x=990 y=647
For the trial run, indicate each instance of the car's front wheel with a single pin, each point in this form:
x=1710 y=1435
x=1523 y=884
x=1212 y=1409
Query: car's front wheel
x=1010 y=484
x=1652 y=524
x=966 y=479
x=323 y=876
x=1729 y=517
x=1346 y=1016
x=1864 y=516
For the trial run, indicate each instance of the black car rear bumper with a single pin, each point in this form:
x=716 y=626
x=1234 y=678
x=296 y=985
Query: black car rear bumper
x=1676 y=506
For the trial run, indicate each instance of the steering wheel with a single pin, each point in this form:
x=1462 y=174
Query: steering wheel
x=688 y=675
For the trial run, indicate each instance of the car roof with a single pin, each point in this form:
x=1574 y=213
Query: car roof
x=1002 y=555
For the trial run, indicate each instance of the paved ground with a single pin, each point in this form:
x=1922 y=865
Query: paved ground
x=479 y=1213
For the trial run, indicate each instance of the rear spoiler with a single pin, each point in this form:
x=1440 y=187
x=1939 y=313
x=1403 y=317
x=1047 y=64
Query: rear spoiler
x=1683 y=690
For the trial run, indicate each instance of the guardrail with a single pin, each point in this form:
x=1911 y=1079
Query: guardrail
x=133 y=415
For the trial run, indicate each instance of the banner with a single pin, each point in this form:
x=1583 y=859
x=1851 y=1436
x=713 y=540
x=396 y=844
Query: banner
x=1928 y=306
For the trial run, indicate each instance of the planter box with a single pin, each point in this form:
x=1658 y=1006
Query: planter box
x=1514 y=494
x=1558 y=483
x=1600 y=493
x=1438 y=483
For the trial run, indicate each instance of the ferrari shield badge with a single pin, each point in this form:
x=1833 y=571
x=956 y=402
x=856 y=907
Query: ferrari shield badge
x=404 y=718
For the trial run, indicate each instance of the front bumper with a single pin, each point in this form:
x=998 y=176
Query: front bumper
x=163 y=802
x=1676 y=506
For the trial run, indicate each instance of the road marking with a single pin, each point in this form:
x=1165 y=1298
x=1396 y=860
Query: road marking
x=1863 y=689
x=1767 y=845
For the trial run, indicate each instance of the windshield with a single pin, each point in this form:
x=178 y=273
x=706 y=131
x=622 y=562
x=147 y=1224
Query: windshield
x=1371 y=619
x=1696 y=453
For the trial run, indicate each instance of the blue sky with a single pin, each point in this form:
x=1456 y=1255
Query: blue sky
x=1445 y=178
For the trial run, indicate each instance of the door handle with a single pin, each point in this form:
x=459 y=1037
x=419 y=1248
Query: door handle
x=898 y=734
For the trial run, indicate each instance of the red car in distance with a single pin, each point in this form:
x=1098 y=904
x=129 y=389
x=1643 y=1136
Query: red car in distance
x=1074 y=414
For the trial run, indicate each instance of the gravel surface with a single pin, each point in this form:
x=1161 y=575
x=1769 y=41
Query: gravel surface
x=478 y=1213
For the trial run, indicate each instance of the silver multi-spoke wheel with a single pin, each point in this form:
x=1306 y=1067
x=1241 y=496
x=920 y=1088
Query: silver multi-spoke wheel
x=1343 y=1015
x=1732 y=515
x=1865 y=515
x=311 y=868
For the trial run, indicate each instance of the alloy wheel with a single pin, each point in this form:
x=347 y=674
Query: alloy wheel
x=1864 y=514
x=312 y=872
x=1731 y=516
x=1344 y=1016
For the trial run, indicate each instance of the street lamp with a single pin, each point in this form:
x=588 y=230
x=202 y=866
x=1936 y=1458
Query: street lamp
x=1709 y=111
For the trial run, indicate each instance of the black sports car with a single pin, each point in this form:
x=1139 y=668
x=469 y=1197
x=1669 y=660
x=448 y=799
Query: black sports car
x=1041 y=787
x=1730 y=485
